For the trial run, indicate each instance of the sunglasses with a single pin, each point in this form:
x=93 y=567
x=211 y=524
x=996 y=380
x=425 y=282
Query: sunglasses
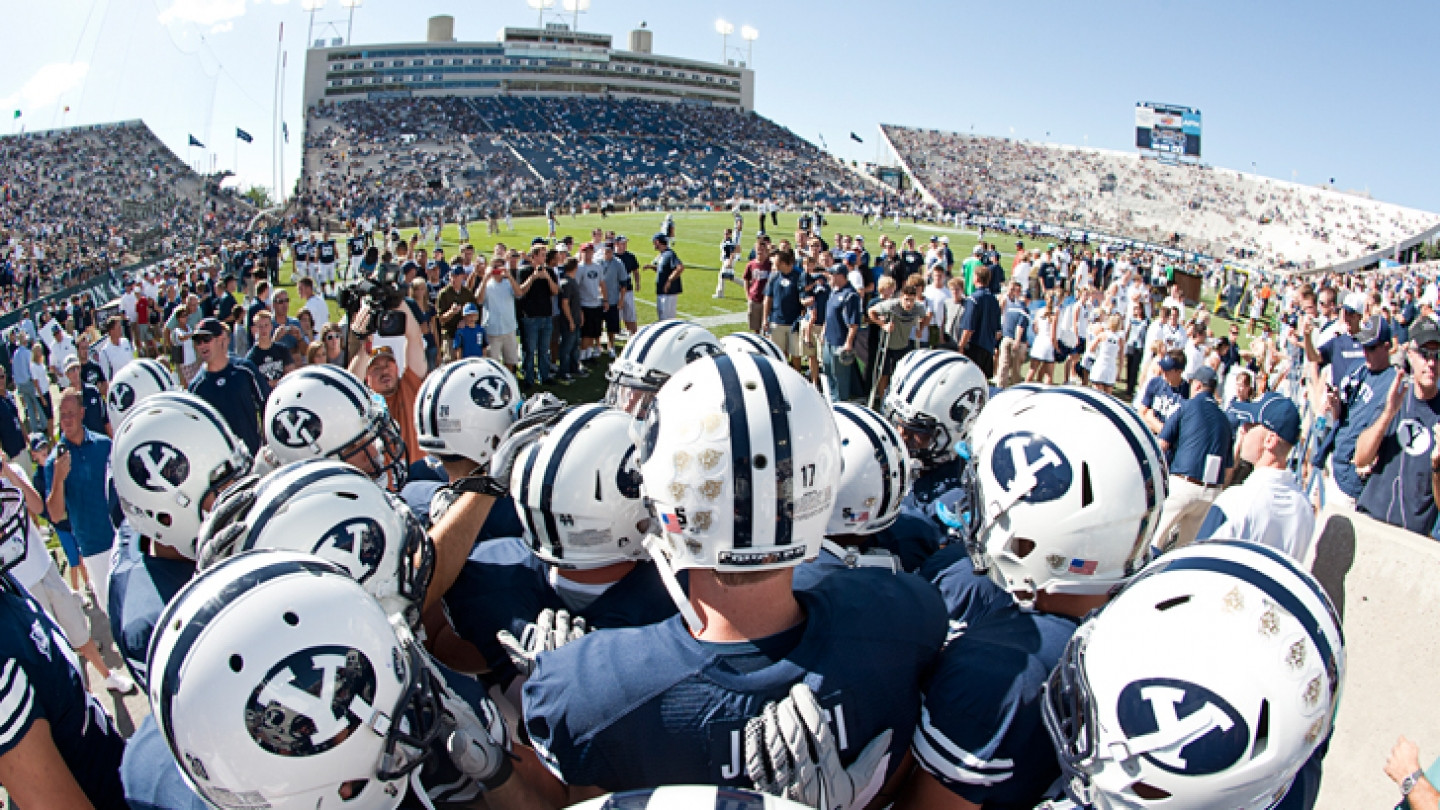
x=1430 y=355
x=201 y=340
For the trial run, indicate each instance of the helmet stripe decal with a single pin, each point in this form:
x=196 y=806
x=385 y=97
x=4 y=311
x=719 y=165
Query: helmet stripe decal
x=784 y=454
x=858 y=417
x=643 y=349
x=1281 y=559
x=160 y=377
x=191 y=402
x=259 y=520
x=552 y=469
x=434 y=392
x=921 y=377
x=1278 y=593
x=742 y=482
x=343 y=382
x=195 y=627
x=523 y=501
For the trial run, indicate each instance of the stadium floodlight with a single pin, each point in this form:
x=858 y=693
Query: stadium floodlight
x=749 y=34
x=724 y=29
x=350 y=24
x=311 y=6
x=540 y=7
x=576 y=7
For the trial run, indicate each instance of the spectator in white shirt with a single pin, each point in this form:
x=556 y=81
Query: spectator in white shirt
x=115 y=352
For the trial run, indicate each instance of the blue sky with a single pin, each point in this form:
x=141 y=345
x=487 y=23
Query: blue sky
x=1308 y=91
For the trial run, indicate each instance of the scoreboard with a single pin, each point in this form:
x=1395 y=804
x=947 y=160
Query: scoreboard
x=1167 y=130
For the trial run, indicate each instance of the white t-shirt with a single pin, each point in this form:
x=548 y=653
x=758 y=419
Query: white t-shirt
x=318 y=311
x=499 y=307
x=935 y=298
x=128 y=302
x=111 y=357
x=37 y=560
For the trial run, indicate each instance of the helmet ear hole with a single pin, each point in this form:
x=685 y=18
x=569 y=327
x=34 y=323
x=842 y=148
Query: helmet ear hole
x=1023 y=546
x=1149 y=792
x=1087 y=494
x=1262 y=731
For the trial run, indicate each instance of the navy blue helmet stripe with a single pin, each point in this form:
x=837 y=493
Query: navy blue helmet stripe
x=195 y=627
x=741 y=475
x=434 y=410
x=784 y=454
x=1277 y=593
x=156 y=372
x=858 y=417
x=342 y=382
x=643 y=350
x=194 y=403
x=527 y=516
x=1284 y=560
x=936 y=364
x=552 y=470
x=260 y=519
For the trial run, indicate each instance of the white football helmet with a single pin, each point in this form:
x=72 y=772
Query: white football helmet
x=173 y=451
x=138 y=380
x=751 y=343
x=655 y=354
x=1208 y=682
x=740 y=461
x=1070 y=489
x=334 y=511
x=326 y=412
x=578 y=491
x=276 y=680
x=936 y=396
x=689 y=797
x=14 y=527
x=465 y=407
x=875 y=473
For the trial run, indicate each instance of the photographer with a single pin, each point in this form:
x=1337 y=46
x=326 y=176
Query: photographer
x=380 y=369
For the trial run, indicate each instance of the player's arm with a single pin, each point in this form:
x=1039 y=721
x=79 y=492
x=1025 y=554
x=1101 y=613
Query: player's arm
x=1169 y=431
x=35 y=775
x=924 y=792
x=454 y=537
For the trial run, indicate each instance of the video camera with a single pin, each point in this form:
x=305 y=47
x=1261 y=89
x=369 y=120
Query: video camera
x=382 y=289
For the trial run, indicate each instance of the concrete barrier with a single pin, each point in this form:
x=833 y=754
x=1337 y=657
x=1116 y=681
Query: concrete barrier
x=1386 y=583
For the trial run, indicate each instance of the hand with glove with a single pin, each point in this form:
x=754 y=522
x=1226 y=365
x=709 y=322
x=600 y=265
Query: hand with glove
x=551 y=630
x=476 y=737
x=791 y=752
x=226 y=524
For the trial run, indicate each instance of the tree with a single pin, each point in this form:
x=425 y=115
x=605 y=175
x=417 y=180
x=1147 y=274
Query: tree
x=259 y=196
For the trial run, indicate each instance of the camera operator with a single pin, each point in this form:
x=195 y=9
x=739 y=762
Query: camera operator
x=379 y=368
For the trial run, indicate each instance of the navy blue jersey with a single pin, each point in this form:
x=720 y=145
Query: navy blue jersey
x=981 y=734
x=1362 y=399
x=1162 y=397
x=649 y=706
x=940 y=484
x=910 y=540
x=153 y=780
x=238 y=392
x=355 y=246
x=1398 y=490
x=502 y=521
x=140 y=588
x=40 y=680
x=969 y=597
x=326 y=252
x=504 y=586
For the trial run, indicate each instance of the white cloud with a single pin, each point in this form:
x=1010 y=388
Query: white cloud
x=47 y=86
x=202 y=12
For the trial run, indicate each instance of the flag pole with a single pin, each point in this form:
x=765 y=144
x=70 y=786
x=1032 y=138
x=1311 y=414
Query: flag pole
x=275 y=117
x=284 y=59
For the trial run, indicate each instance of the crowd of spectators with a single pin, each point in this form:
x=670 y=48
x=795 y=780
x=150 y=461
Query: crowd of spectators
x=1219 y=212
x=404 y=159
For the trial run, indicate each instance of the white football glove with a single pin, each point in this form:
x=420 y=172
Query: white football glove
x=790 y=752
x=478 y=744
x=551 y=630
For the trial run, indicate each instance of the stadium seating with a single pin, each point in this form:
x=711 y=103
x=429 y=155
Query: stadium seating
x=407 y=157
x=1219 y=212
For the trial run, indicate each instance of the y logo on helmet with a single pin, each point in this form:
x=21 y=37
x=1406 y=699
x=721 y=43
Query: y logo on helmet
x=1033 y=463
x=122 y=397
x=357 y=544
x=1185 y=728
x=700 y=350
x=158 y=467
x=296 y=427
x=310 y=701
x=966 y=406
x=627 y=479
x=491 y=393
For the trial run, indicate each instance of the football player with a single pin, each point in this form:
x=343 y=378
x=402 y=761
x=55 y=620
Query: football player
x=934 y=402
x=652 y=356
x=324 y=264
x=171 y=460
x=133 y=384
x=740 y=460
x=324 y=411
x=58 y=747
x=1071 y=492
x=1210 y=681
x=298 y=691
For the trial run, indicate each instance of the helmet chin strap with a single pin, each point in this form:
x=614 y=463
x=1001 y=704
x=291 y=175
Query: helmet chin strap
x=667 y=575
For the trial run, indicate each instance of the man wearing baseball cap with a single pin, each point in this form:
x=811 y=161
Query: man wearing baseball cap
x=667 y=267
x=1401 y=447
x=237 y=390
x=1199 y=446
x=1269 y=508
x=1352 y=406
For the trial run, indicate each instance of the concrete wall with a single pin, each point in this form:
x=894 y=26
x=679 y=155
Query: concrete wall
x=1386 y=583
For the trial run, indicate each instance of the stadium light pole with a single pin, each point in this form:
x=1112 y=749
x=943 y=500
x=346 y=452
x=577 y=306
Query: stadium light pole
x=724 y=29
x=311 y=6
x=350 y=24
x=749 y=34
x=540 y=6
x=576 y=7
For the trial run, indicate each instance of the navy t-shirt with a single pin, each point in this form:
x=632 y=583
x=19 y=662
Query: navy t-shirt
x=140 y=588
x=1196 y=431
x=238 y=392
x=271 y=362
x=665 y=265
x=969 y=597
x=1398 y=490
x=784 y=293
x=1343 y=354
x=1162 y=397
x=596 y=707
x=1362 y=399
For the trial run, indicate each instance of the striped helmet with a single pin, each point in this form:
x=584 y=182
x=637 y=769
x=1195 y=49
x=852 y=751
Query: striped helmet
x=334 y=511
x=652 y=356
x=874 y=472
x=135 y=382
x=934 y=397
x=578 y=491
x=741 y=461
x=465 y=407
x=751 y=343
x=326 y=412
x=174 y=452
